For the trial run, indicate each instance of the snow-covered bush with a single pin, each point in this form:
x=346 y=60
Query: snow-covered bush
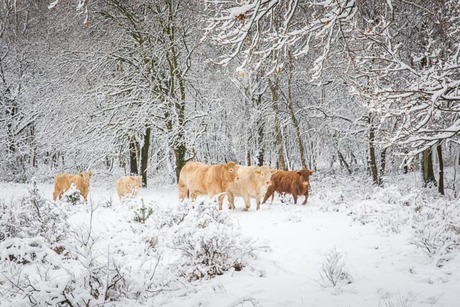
x=169 y=217
x=72 y=196
x=333 y=272
x=436 y=230
x=142 y=214
x=210 y=243
x=33 y=216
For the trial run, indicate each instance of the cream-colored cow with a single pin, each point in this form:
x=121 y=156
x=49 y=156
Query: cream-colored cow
x=253 y=183
x=201 y=179
x=128 y=186
x=63 y=181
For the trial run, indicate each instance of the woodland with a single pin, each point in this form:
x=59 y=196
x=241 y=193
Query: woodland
x=141 y=87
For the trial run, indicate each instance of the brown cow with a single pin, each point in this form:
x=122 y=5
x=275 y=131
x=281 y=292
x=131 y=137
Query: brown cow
x=201 y=179
x=253 y=182
x=292 y=182
x=128 y=186
x=62 y=183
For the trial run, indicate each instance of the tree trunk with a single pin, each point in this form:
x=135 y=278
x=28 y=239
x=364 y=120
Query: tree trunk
x=372 y=157
x=295 y=121
x=274 y=87
x=260 y=133
x=145 y=156
x=383 y=156
x=343 y=162
x=133 y=156
x=441 y=169
x=427 y=169
x=179 y=154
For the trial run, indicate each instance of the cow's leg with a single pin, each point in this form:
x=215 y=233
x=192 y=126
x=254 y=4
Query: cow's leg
x=183 y=192
x=295 y=198
x=220 y=200
x=269 y=193
x=231 y=200
x=258 y=202
x=306 y=197
x=55 y=195
x=247 y=202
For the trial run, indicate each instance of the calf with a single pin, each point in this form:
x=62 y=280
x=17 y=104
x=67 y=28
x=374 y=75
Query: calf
x=201 y=179
x=63 y=181
x=296 y=183
x=253 y=182
x=128 y=186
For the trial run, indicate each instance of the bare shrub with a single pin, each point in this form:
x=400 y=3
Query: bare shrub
x=436 y=230
x=33 y=216
x=396 y=300
x=210 y=243
x=333 y=272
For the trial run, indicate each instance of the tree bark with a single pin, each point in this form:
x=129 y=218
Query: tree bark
x=260 y=133
x=145 y=156
x=383 y=156
x=372 y=157
x=427 y=168
x=343 y=162
x=133 y=156
x=179 y=154
x=274 y=87
x=295 y=121
x=441 y=169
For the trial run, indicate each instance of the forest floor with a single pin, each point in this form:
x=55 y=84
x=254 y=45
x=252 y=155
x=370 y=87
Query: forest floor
x=351 y=245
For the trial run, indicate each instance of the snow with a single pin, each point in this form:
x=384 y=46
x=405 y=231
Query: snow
x=369 y=229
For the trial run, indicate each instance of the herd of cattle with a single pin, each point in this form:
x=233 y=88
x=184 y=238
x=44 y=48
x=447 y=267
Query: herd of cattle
x=199 y=179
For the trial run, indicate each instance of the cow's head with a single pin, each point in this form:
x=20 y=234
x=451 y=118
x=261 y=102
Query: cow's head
x=305 y=174
x=264 y=174
x=86 y=176
x=137 y=181
x=231 y=171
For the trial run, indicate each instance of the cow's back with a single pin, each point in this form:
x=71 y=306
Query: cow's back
x=191 y=177
x=252 y=181
x=283 y=181
x=127 y=186
x=63 y=181
x=197 y=178
x=218 y=177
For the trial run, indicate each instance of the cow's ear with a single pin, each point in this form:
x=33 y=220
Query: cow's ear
x=273 y=171
x=258 y=172
x=300 y=173
x=230 y=169
x=311 y=172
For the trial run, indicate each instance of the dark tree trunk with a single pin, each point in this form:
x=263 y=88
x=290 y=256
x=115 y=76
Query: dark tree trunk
x=343 y=162
x=372 y=157
x=383 y=157
x=179 y=153
x=427 y=169
x=441 y=169
x=133 y=156
x=145 y=156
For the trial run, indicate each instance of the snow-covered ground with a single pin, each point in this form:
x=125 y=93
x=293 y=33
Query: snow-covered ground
x=373 y=242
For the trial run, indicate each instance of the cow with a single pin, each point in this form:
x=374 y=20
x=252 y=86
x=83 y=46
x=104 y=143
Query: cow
x=296 y=183
x=128 y=186
x=197 y=178
x=63 y=181
x=253 y=182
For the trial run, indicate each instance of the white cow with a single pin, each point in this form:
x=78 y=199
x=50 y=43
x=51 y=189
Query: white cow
x=253 y=183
